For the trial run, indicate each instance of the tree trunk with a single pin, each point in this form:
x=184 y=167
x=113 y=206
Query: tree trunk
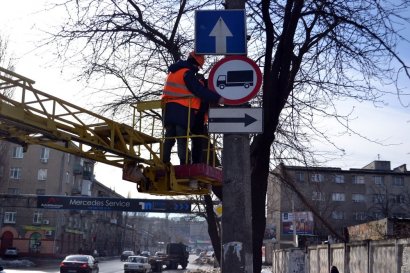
x=213 y=227
x=259 y=178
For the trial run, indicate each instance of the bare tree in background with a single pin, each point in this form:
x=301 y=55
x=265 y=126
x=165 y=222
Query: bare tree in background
x=312 y=53
x=5 y=62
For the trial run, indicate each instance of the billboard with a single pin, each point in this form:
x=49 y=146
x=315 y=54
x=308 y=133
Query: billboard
x=302 y=221
x=112 y=204
x=270 y=232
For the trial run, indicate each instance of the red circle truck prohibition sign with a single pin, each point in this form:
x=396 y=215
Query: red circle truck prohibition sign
x=236 y=78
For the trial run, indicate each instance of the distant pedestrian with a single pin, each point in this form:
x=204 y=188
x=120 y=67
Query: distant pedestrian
x=334 y=269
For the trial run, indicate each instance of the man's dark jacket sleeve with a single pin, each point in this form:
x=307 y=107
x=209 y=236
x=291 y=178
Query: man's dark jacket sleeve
x=200 y=91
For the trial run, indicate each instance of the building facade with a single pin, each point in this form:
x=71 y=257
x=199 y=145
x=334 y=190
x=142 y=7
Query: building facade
x=320 y=203
x=38 y=171
x=26 y=174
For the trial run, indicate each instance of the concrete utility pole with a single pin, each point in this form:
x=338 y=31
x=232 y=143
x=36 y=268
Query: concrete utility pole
x=237 y=253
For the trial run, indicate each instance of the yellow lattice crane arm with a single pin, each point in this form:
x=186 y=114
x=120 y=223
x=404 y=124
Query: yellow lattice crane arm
x=30 y=116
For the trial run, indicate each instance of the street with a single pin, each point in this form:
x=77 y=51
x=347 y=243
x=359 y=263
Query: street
x=106 y=266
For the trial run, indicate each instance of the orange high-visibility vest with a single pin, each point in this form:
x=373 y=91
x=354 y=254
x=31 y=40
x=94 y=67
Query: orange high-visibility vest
x=176 y=91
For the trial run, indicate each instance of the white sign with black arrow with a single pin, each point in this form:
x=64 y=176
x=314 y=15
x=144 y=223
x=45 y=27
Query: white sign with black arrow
x=235 y=120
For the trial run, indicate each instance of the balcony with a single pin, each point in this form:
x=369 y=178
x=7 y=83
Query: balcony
x=75 y=191
x=87 y=175
x=78 y=169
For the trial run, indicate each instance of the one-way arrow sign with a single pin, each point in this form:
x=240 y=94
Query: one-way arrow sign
x=220 y=32
x=235 y=120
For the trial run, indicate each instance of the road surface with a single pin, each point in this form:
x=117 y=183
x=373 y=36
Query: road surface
x=106 y=266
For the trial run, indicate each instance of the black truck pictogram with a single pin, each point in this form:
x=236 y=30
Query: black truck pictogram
x=235 y=78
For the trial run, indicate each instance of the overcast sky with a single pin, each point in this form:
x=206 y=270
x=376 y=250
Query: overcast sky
x=20 y=21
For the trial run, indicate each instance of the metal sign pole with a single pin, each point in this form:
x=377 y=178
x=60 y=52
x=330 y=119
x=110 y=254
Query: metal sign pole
x=237 y=253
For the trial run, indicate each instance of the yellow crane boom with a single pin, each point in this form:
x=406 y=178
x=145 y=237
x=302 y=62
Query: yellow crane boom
x=30 y=116
x=34 y=117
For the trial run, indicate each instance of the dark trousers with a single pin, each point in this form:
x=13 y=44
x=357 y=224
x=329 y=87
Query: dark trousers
x=199 y=144
x=171 y=132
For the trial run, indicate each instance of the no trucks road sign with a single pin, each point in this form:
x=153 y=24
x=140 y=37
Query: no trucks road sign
x=236 y=78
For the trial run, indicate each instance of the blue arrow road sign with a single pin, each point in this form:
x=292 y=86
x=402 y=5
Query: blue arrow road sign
x=220 y=32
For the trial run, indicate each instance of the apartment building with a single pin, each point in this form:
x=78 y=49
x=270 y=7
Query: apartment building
x=26 y=173
x=320 y=202
x=39 y=171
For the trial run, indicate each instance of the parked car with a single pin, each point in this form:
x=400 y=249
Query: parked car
x=11 y=252
x=145 y=253
x=160 y=253
x=125 y=254
x=79 y=264
x=137 y=264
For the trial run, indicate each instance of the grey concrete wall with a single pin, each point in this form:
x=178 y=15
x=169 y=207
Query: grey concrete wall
x=292 y=261
x=387 y=256
x=355 y=258
x=405 y=264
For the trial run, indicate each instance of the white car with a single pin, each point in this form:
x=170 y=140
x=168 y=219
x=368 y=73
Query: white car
x=137 y=264
x=11 y=252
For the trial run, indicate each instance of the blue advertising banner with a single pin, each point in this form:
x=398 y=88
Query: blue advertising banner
x=120 y=204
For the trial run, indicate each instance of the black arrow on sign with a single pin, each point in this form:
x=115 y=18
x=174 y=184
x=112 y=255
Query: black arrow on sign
x=247 y=120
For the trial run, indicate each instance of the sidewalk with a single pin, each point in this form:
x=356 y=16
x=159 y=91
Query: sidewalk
x=18 y=263
x=218 y=270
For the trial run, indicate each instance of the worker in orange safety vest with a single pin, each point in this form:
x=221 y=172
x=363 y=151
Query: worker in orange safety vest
x=182 y=95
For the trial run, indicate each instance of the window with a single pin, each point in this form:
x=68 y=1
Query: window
x=337 y=196
x=10 y=217
x=378 y=215
x=13 y=191
x=399 y=199
x=378 y=180
x=45 y=154
x=338 y=215
x=379 y=198
x=317 y=177
x=358 y=179
x=40 y=191
x=42 y=174
x=360 y=215
x=17 y=152
x=15 y=173
x=37 y=217
x=339 y=179
x=319 y=196
x=399 y=215
x=398 y=181
x=67 y=177
x=357 y=197
x=300 y=177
